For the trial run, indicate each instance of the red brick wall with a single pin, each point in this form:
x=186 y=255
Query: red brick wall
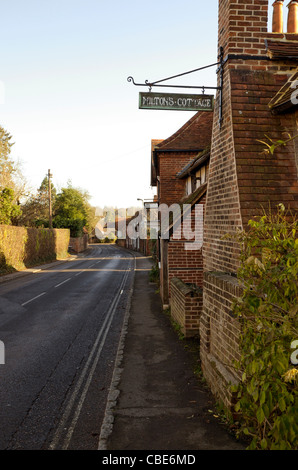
x=172 y=189
x=79 y=244
x=172 y=155
x=241 y=177
x=222 y=205
x=241 y=25
x=185 y=258
x=219 y=334
x=186 y=306
x=262 y=178
x=186 y=265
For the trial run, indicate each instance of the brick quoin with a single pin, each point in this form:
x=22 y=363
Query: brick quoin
x=242 y=178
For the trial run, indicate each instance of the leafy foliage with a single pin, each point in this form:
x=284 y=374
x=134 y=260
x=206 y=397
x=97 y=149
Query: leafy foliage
x=271 y=145
x=6 y=164
x=70 y=203
x=75 y=225
x=154 y=273
x=35 y=211
x=72 y=210
x=10 y=171
x=267 y=394
x=8 y=209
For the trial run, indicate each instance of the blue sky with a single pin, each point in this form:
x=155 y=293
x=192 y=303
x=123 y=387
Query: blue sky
x=67 y=101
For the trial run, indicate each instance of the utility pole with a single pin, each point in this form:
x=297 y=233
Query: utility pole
x=50 y=199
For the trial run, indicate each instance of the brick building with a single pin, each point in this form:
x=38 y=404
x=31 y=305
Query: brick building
x=259 y=68
x=173 y=161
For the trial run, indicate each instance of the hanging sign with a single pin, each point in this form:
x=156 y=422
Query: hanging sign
x=176 y=102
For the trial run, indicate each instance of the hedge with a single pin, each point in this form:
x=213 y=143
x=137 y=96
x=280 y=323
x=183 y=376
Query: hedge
x=22 y=247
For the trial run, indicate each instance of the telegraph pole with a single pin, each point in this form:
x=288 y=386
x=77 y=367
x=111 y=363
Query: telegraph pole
x=50 y=199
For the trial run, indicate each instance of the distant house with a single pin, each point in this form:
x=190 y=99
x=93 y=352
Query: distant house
x=132 y=239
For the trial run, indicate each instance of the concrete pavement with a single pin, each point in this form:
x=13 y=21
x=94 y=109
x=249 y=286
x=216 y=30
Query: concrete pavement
x=156 y=401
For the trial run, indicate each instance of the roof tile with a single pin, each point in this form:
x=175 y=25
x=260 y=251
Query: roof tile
x=194 y=135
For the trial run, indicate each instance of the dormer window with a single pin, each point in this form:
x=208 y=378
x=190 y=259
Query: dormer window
x=196 y=179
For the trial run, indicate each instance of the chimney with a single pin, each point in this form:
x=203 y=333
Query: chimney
x=293 y=17
x=241 y=27
x=277 y=19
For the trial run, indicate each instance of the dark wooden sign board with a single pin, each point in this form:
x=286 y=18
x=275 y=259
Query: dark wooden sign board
x=176 y=102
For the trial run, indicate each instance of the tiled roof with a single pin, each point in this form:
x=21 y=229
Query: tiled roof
x=194 y=135
x=277 y=49
x=282 y=99
x=199 y=160
x=194 y=197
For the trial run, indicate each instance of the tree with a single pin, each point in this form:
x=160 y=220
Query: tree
x=71 y=203
x=8 y=209
x=9 y=190
x=72 y=210
x=6 y=164
x=43 y=192
x=10 y=171
x=35 y=211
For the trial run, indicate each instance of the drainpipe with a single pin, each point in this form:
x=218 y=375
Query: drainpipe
x=277 y=18
x=293 y=17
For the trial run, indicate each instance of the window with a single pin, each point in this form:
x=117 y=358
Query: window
x=195 y=180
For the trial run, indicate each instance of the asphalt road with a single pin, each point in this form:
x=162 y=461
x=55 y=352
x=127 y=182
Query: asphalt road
x=61 y=328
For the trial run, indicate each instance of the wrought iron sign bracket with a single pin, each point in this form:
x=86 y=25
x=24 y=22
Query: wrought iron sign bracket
x=159 y=83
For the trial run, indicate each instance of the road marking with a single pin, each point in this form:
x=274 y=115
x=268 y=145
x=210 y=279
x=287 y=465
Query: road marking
x=121 y=292
x=31 y=300
x=92 y=363
x=66 y=280
x=79 y=273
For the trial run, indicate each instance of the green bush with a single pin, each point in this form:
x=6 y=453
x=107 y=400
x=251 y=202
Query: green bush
x=74 y=225
x=8 y=208
x=267 y=395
